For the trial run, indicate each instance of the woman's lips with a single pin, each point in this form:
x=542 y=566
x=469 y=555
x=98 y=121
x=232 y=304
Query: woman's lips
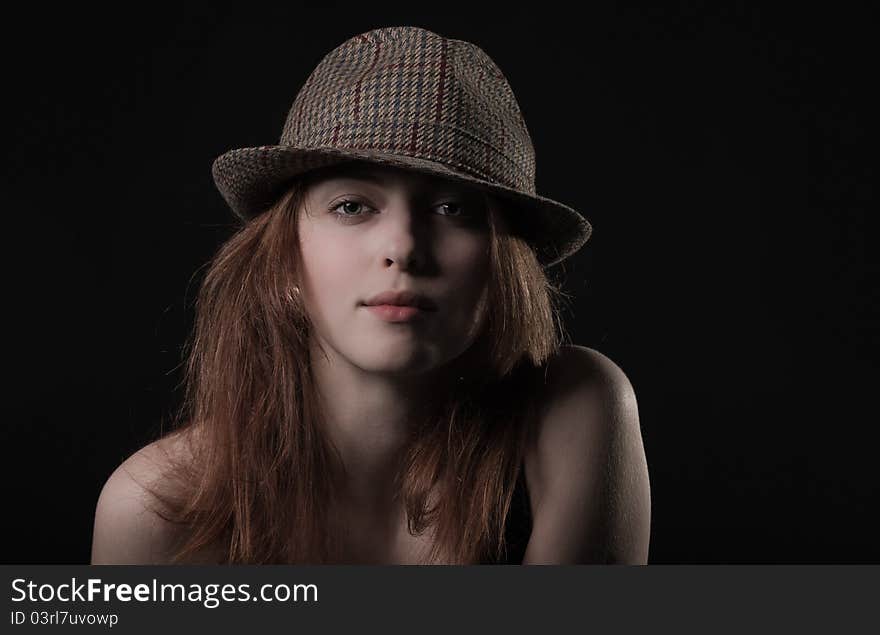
x=395 y=313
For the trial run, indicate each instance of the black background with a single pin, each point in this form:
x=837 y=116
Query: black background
x=722 y=155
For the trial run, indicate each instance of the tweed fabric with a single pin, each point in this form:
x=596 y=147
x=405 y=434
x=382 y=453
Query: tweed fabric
x=409 y=98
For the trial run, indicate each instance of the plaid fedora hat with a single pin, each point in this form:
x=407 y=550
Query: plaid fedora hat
x=409 y=98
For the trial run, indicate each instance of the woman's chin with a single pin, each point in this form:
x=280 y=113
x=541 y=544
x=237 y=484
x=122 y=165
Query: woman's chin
x=398 y=358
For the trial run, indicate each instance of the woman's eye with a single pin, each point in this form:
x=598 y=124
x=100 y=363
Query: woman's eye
x=348 y=208
x=454 y=207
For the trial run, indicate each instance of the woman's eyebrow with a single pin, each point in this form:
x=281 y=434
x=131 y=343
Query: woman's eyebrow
x=337 y=181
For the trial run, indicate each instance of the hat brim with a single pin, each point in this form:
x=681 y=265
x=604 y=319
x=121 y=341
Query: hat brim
x=252 y=179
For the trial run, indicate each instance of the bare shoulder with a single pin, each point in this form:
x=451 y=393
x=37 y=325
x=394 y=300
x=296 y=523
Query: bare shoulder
x=586 y=470
x=585 y=392
x=128 y=527
x=579 y=366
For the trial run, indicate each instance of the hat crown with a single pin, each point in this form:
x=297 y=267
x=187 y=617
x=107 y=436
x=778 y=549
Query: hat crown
x=408 y=91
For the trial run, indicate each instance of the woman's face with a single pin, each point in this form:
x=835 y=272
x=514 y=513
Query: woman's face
x=368 y=229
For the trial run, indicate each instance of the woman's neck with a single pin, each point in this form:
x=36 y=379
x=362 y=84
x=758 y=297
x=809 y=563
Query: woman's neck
x=369 y=417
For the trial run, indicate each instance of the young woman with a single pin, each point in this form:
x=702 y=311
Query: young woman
x=377 y=372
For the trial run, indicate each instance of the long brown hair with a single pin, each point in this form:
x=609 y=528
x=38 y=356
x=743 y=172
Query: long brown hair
x=259 y=471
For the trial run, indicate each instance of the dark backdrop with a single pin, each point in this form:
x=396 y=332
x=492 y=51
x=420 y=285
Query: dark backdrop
x=720 y=154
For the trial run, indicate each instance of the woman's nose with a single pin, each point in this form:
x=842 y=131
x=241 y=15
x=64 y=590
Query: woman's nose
x=405 y=236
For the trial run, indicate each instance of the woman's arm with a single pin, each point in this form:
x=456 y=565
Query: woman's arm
x=587 y=474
